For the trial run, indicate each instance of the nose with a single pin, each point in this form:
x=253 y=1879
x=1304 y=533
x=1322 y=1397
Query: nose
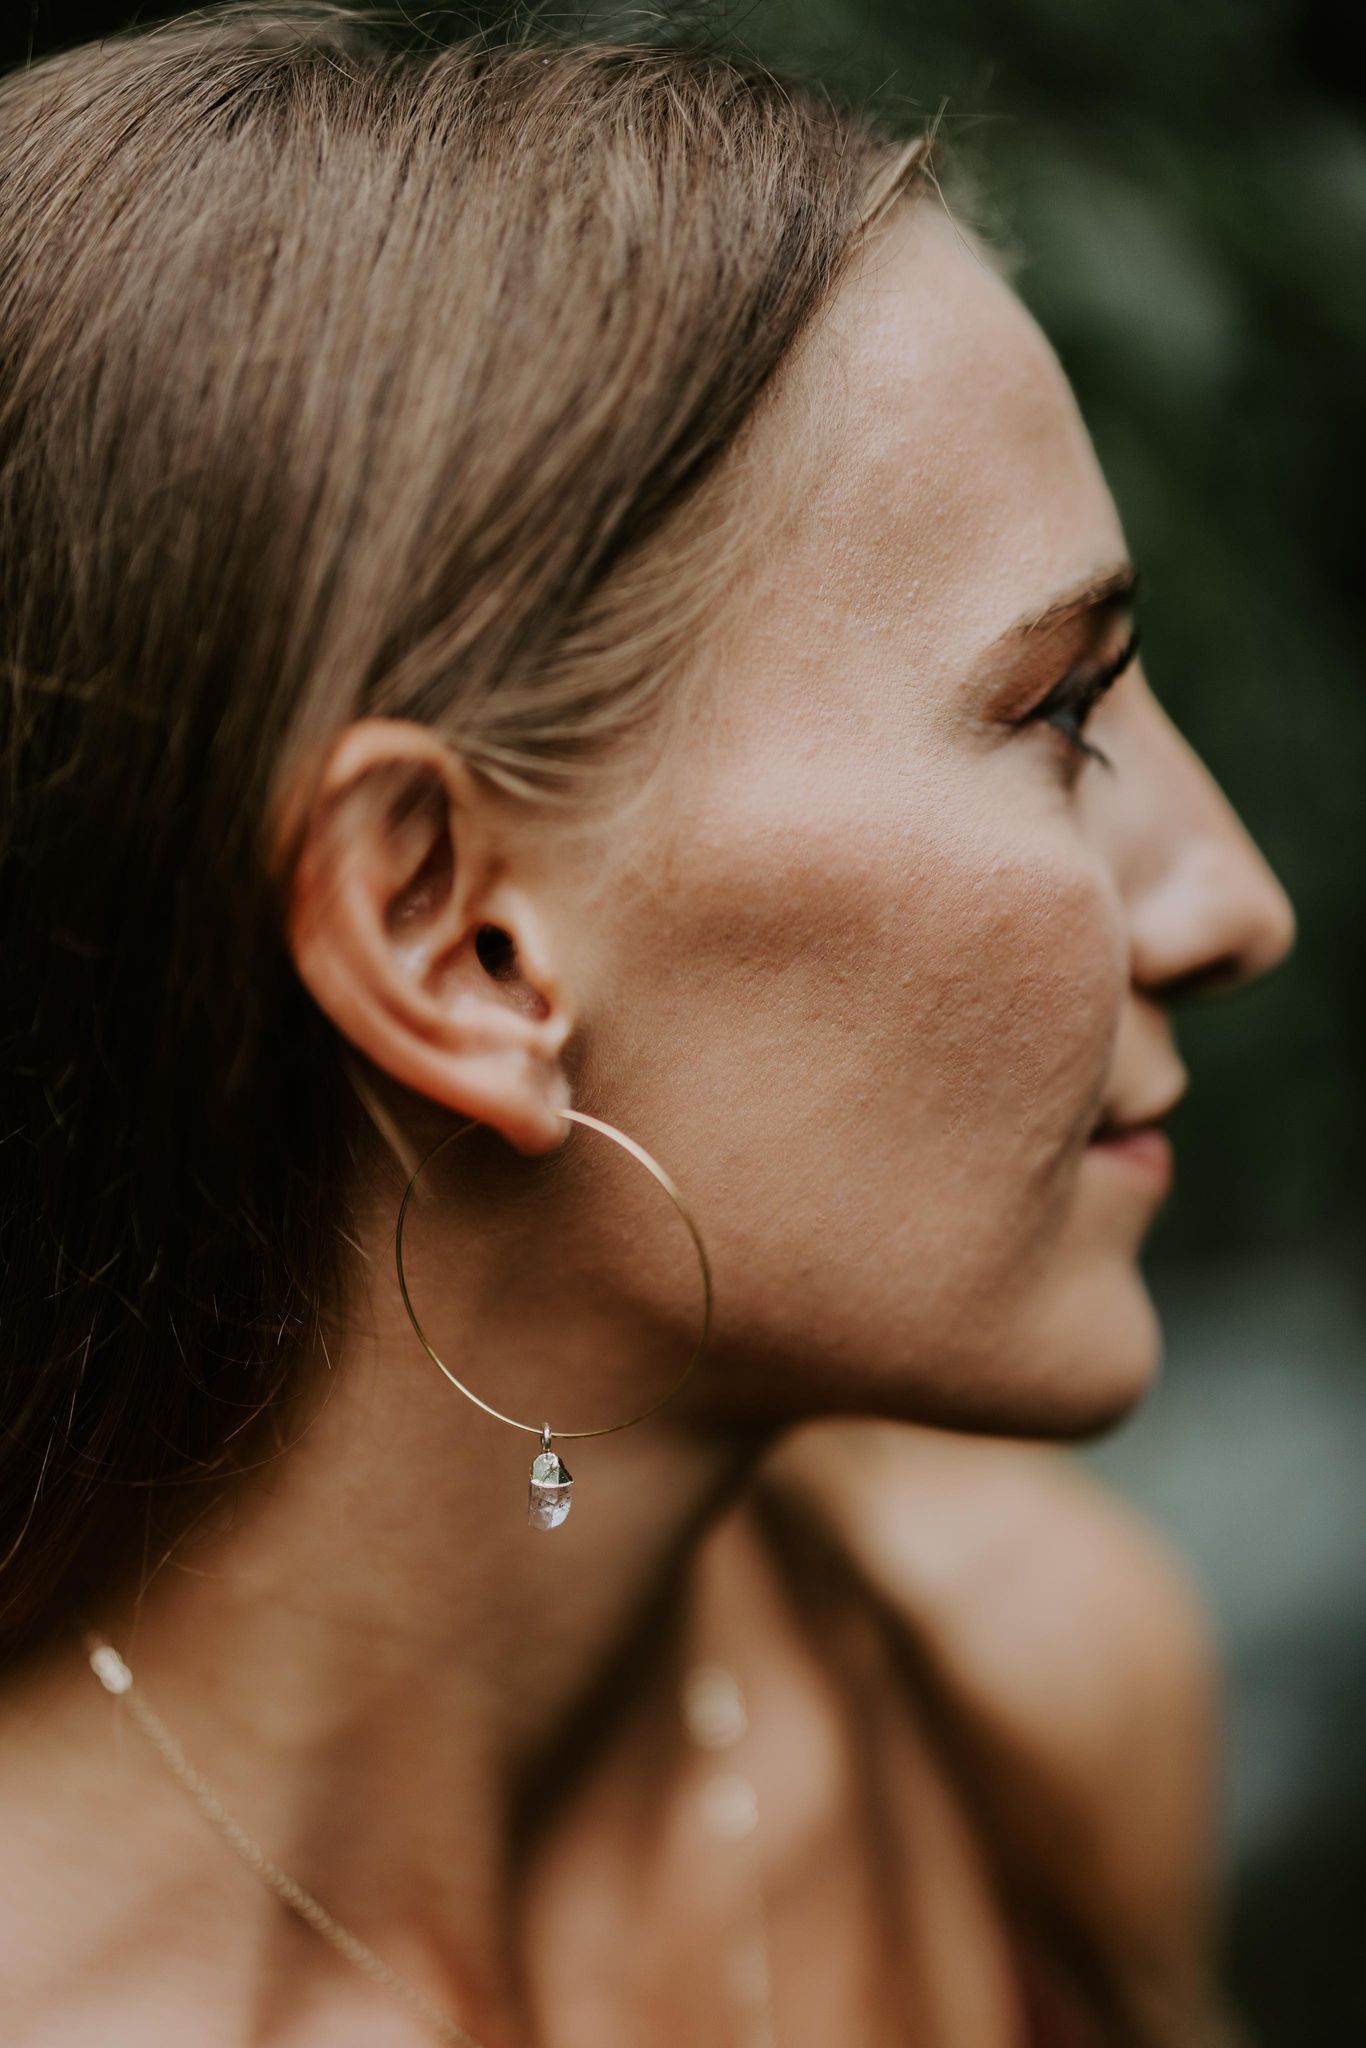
x=1206 y=910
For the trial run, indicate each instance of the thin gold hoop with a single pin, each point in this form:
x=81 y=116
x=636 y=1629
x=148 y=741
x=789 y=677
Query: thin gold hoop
x=543 y=1429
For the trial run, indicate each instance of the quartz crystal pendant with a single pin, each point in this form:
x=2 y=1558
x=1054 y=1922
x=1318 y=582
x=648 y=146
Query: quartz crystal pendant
x=551 y=1487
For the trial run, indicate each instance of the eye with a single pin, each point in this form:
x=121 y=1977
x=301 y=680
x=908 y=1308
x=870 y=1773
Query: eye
x=1070 y=703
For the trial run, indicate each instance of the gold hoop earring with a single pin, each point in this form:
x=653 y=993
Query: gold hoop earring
x=551 y=1484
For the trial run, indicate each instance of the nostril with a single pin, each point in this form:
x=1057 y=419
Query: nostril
x=1211 y=978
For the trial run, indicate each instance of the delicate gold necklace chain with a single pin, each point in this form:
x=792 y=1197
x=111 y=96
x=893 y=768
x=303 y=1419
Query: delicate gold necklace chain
x=714 y=1716
x=116 y=1678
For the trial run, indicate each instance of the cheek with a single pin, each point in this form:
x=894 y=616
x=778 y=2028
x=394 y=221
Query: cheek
x=1015 y=967
x=866 y=1023
x=982 y=1051
x=891 y=1026
x=916 y=955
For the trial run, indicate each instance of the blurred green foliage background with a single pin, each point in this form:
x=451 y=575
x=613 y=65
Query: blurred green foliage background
x=1185 y=184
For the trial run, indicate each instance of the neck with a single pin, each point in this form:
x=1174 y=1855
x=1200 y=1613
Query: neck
x=379 y=1666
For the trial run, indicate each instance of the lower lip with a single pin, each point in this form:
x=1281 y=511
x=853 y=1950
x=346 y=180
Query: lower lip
x=1146 y=1152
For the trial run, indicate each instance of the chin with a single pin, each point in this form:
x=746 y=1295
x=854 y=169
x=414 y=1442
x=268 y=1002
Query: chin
x=1067 y=1369
x=1100 y=1354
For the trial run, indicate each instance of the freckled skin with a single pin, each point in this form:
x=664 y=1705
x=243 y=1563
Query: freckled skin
x=871 y=974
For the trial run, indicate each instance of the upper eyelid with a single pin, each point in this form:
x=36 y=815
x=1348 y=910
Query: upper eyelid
x=1078 y=696
x=1078 y=681
x=994 y=714
x=1020 y=670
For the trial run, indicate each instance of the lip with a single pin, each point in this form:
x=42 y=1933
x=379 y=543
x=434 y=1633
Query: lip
x=1143 y=1150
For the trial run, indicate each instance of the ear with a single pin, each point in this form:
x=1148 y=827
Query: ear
x=408 y=924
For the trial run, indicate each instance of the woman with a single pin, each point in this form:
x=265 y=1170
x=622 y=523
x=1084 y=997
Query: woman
x=542 y=578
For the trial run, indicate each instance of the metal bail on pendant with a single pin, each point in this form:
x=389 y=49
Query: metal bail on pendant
x=551 y=1487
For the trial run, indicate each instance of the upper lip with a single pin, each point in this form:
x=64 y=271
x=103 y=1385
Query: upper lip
x=1122 y=1118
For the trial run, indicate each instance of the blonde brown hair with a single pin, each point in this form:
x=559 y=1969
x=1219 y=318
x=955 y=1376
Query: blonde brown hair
x=335 y=377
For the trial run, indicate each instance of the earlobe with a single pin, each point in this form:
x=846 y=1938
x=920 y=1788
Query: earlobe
x=402 y=875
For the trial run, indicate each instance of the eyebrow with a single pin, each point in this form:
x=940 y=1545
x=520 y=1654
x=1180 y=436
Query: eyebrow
x=1103 y=595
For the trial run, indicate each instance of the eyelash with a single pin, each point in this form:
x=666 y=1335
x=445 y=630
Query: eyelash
x=1070 y=703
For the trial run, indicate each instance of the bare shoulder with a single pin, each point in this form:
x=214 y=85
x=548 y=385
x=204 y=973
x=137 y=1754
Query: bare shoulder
x=1073 y=1648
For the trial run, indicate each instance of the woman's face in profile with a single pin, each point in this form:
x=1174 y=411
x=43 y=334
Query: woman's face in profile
x=884 y=947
